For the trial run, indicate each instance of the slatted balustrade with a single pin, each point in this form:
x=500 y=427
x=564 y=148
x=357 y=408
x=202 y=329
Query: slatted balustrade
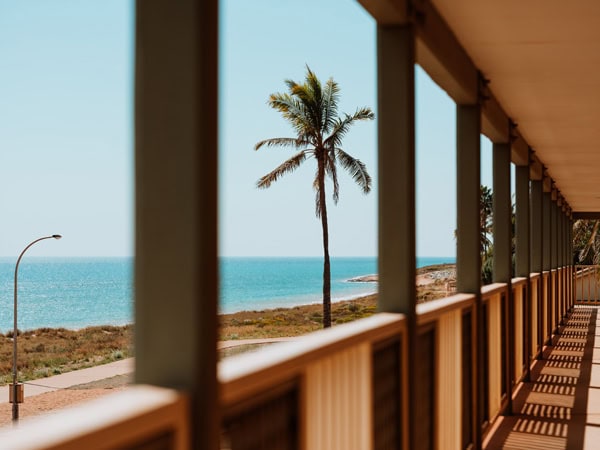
x=587 y=284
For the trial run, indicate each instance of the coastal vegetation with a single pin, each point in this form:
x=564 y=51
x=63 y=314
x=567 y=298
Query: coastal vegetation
x=312 y=110
x=51 y=351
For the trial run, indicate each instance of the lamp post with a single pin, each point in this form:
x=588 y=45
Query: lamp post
x=15 y=385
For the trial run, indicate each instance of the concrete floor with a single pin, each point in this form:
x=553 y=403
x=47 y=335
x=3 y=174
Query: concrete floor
x=560 y=407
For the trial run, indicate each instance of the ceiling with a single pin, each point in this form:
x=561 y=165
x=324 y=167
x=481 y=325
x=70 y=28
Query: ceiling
x=542 y=58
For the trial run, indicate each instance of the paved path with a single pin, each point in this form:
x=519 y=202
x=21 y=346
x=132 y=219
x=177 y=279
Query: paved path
x=76 y=377
x=238 y=342
x=122 y=367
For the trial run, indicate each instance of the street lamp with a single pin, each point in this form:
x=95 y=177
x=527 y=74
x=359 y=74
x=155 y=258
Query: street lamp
x=15 y=386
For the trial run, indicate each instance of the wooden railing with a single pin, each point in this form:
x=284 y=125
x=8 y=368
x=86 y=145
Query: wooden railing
x=587 y=285
x=318 y=392
x=345 y=387
x=141 y=417
x=446 y=345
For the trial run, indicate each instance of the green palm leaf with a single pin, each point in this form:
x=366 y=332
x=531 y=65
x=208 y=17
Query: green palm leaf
x=356 y=169
x=288 y=166
x=282 y=142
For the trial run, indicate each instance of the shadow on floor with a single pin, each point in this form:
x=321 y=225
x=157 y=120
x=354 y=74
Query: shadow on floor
x=551 y=411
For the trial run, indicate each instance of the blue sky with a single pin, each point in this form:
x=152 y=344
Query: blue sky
x=66 y=126
x=66 y=129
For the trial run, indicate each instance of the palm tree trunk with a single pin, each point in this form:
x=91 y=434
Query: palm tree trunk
x=326 y=264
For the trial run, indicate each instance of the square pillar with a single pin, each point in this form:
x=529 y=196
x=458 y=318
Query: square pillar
x=468 y=256
x=522 y=252
x=536 y=253
x=502 y=258
x=176 y=278
x=396 y=174
x=547 y=262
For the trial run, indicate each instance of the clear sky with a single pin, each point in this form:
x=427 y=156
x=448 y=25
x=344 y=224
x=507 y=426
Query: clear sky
x=66 y=129
x=66 y=126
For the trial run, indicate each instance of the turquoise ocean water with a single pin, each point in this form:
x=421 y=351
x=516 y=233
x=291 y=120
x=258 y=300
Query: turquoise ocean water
x=78 y=292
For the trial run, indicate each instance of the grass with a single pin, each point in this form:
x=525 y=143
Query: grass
x=52 y=351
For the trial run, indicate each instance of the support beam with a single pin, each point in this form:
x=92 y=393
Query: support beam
x=502 y=214
x=547 y=261
x=502 y=273
x=397 y=258
x=468 y=260
x=554 y=261
x=176 y=205
x=537 y=248
x=522 y=252
x=522 y=247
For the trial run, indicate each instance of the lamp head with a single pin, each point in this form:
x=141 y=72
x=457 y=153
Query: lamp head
x=56 y=236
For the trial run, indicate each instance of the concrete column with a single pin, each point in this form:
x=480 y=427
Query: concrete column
x=397 y=258
x=176 y=291
x=468 y=257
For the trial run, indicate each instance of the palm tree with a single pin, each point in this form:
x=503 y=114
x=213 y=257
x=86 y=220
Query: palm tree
x=312 y=110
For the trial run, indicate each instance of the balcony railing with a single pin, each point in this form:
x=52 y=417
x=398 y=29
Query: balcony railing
x=587 y=285
x=345 y=387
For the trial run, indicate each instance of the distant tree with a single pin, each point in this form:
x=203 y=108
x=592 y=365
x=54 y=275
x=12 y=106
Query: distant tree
x=312 y=110
x=486 y=208
x=586 y=242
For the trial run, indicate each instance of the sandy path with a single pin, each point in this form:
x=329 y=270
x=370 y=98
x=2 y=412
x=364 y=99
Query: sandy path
x=51 y=401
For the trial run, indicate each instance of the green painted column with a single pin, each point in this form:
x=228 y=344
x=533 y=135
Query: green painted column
x=502 y=227
x=176 y=280
x=522 y=251
x=546 y=258
x=396 y=176
x=522 y=232
x=537 y=248
x=502 y=258
x=468 y=257
x=554 y=261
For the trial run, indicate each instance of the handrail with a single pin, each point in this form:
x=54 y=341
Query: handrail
x=253 y=372
x=134 y=417
x=517 y=281
x=434 y=309
x=489 y=290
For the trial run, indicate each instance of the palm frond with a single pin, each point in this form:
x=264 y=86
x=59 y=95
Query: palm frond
x=292 y=110
x=310 y=95
x=330 y=104
x=286 y=167
x=331 y=170
x=341 y=126
x=282 y=142
x=356 y=168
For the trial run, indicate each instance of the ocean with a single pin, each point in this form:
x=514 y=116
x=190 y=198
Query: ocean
x=80 y=292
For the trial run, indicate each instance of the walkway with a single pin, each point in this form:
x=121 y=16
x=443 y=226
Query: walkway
x=122 y=367
x=77 y=377
x=560 y=407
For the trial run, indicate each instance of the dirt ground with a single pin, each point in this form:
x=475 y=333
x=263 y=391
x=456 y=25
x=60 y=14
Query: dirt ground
x=54 y=401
